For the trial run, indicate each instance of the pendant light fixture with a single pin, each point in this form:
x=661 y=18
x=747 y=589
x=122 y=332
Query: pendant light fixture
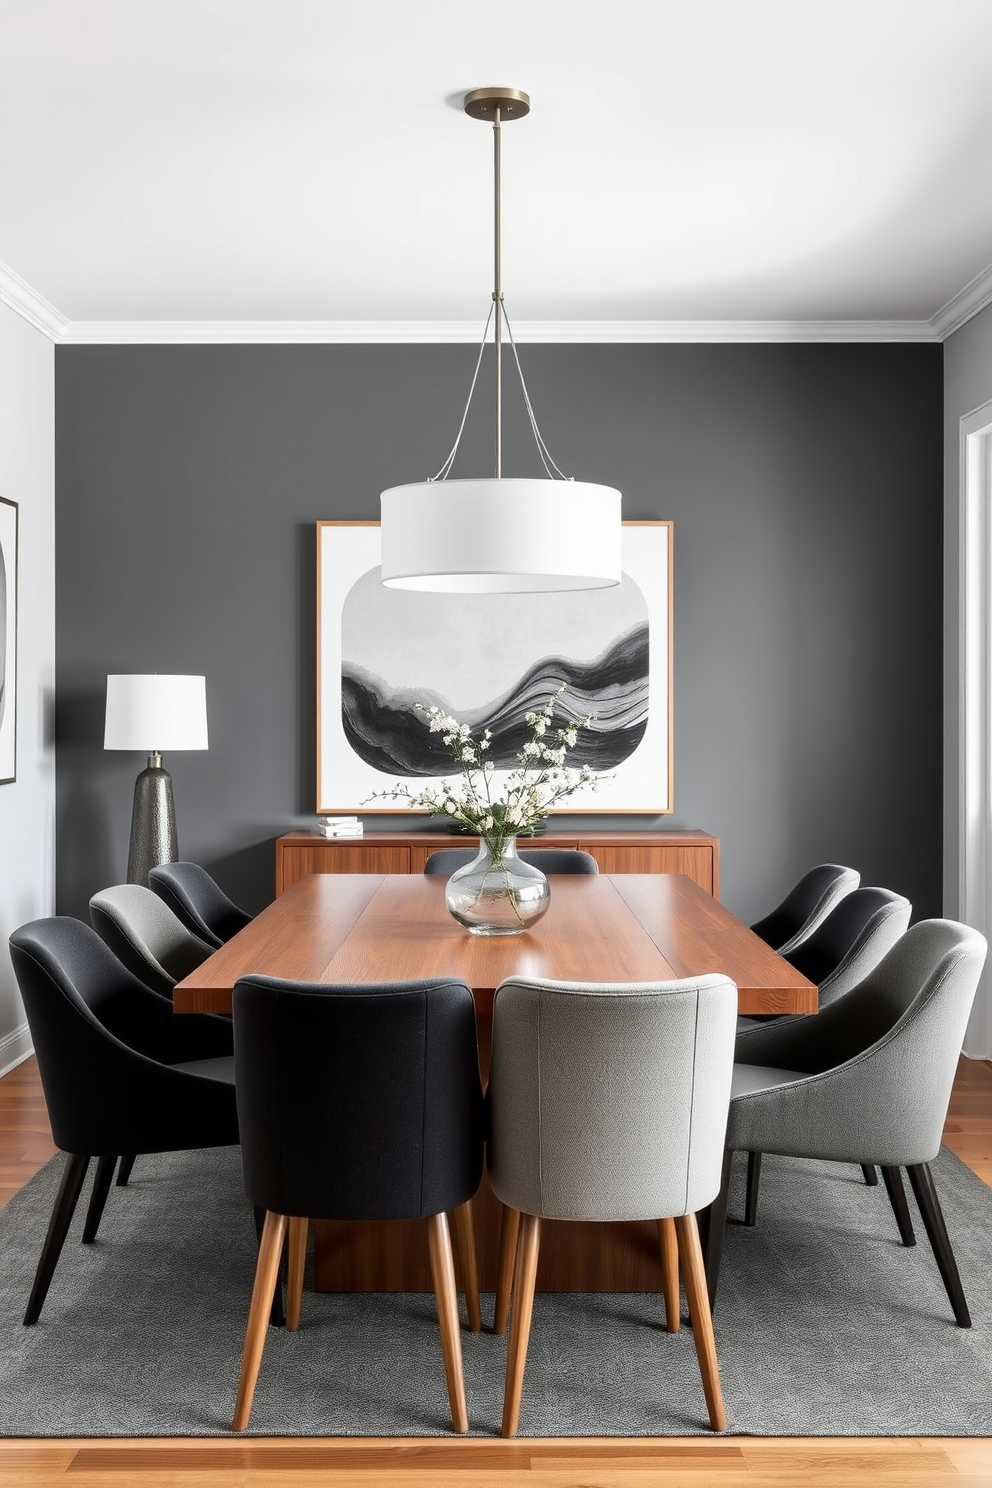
x=500 y=535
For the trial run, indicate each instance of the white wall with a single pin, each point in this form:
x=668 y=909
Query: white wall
x=967 y=385
x=27 y=806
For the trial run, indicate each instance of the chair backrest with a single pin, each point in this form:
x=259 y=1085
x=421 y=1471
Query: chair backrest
x=860 y=929
x=886 y=1053
x=103 y=1041
x=559 y=859
x=806 y=905
x=146 y=936
x=610 y=1102
x=358 y=1102
x=198 y=901
x=548 y=859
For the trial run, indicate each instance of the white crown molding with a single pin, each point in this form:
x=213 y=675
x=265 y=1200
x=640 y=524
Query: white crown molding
x=965 y=304
x=562 y=332
x=30 y=305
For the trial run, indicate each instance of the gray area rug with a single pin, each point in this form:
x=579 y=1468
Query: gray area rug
x=825 y=1326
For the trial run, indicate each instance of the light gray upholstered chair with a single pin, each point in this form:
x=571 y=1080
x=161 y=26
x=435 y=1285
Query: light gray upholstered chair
x=199 y=901
x=146 y=936
x=866 y=1081
x=608 y=1103
x=806 y=905
x=548 y=859
x=861 y=928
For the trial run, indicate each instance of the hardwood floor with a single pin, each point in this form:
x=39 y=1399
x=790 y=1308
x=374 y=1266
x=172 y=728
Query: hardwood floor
x=724 y=1462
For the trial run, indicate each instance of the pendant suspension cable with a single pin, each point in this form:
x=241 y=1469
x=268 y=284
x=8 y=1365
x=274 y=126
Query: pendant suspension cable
x=542 y=448
x=445 y=470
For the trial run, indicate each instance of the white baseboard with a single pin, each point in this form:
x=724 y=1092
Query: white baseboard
x=14 y=1049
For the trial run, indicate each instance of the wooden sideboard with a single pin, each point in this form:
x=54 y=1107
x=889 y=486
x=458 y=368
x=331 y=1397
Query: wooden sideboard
x=695 y=854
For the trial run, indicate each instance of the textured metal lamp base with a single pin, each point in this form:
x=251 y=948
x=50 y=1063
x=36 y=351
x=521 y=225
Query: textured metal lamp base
x=153 y=824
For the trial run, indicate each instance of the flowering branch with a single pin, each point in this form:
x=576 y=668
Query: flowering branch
x=529 y=792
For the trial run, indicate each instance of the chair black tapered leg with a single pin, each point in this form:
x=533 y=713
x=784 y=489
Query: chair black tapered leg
x=892 y=1178
x=870 y=1176
x=62 y=1212
x=751 y=1192
x=98 y=1198
x=124 y=1171
x=716 y=1222
x=921 y=1180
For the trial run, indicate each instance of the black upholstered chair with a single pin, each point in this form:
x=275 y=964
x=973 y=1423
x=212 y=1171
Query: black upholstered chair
x=862 y=927
x=122 y=1074
x=548 y=859
x=198 y=901
x=866 y=1081
x=146 y=937
x=358 y=1102
x=806 y=906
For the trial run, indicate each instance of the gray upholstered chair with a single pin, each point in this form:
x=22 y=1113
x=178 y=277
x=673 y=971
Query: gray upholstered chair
x=146 y=936
x=608 y=1103
x=860 y=929
x=866 y=1081
x=548 y=859
x=806 y=905
x=200 y=902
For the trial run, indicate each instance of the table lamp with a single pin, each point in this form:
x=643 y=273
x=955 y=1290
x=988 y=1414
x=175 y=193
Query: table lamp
x=153 y=713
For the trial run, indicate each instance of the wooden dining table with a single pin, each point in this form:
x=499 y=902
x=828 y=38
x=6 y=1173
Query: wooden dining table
x=368 y=928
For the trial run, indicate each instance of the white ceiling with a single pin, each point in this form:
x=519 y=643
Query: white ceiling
x=308 y=160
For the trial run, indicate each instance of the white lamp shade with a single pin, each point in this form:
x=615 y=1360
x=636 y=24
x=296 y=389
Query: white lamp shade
x=500 y=536
x=152 y=713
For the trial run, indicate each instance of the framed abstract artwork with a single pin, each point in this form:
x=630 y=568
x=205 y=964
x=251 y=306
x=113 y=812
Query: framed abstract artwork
x=8 y=640
x=384 y=655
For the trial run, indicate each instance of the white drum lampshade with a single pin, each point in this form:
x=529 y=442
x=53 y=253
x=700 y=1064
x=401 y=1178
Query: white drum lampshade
x=501 y=536
x=151 y=713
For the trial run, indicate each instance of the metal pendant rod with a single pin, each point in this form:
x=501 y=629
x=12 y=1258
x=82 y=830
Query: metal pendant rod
x=497 y=297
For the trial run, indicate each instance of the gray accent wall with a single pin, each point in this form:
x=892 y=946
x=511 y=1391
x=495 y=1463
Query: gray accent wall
x=804 y=481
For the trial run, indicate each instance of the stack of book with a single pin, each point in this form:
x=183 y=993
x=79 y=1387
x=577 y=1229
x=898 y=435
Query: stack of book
x=339 y=826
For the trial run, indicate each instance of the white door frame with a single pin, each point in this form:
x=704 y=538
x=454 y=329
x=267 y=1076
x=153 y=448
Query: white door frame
x=975 y=702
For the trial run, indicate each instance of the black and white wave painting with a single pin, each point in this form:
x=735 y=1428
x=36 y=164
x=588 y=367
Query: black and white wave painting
x=385 y=655
x=488 y=660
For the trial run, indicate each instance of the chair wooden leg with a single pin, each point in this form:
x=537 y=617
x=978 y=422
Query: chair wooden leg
x=668 y=1240
x=124 y=1171
x=465 y=1235
x=892 y=1178
x=716 y=1222
x=508 y=1231
x=524 y=1278
x=921 y=1180
x=869 y=1174
x=101 y=1187
x=62 y=1211
x=751 y=1193
x=298 y=1231
x=443 y=1273
x=697 y=1296
x=266 y=1276
x=278 y=1317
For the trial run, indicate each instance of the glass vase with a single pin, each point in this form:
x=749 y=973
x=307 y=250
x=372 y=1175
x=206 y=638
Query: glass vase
x=497 y=893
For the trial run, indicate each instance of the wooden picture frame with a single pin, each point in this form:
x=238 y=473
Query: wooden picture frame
x=487 y=659
x=8 y=640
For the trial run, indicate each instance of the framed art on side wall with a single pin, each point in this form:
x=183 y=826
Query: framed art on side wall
x=384 y=655
x=8 y=640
